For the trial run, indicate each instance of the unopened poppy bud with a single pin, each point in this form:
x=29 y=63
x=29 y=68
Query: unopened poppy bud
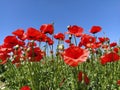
x=51 y=51
x=28 y=49
x=16 y=47
x=56 y=53
x=60 y=47
x=68 y=26
x=21 y=59
x=52 y=23
x=14 y=56
x=32 y=41
x=70 y=36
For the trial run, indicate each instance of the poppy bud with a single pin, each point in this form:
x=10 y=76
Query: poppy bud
x=28 y=49
x=60 y=47
x=70 y=36
x=68 y=26
x=16 y=47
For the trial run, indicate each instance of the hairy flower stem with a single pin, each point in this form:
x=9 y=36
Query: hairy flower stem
x=14 y=70
x=52 y=45
x=29 y=64
x=75 y=71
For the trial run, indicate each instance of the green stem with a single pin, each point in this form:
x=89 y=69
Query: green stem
x=31 y=77
x=75 y=40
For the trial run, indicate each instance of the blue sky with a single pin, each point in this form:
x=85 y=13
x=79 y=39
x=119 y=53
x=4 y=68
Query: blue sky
x=16 y=14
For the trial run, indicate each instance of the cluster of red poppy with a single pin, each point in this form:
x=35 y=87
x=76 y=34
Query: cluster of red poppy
x=73 y=54
x=17 y=49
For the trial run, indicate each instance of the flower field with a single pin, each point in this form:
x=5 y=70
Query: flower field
x=39 y=59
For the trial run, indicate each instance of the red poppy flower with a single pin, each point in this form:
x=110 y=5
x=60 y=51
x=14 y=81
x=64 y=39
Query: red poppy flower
x=95 y=29
x=94 y=45
x=17 y=51
x=4 y=49
x=31 y=44
x=19 y=33
x=86 y=79
x=10 y=41
x=103 y=39
x=59 y=36
x=21 y=43
x=24 y=37
x=17 y=54
x=35 y=54
x=75 y=55
x=49 y=41
x=113 y=44
x=116 y=50
x=80 y=77
x=118 y=82
x=16 y=59
x=68 y=41
x=3 y=58
x=32 y=34
x=105 y=47
x=25 y=88
x=41 y=37
x=80 y=74
x=98 y=44
x=109 y=57
x=47 y=28
x=75 y=30
x=87 y=40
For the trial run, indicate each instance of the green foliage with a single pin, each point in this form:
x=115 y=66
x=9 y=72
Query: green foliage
x=51 y=74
